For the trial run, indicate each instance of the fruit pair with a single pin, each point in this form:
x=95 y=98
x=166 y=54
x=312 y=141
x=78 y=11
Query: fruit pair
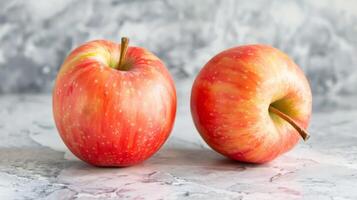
x=115 y=105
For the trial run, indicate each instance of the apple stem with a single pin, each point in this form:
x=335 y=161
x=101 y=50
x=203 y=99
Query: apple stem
x=123 y=49
x=304 y=134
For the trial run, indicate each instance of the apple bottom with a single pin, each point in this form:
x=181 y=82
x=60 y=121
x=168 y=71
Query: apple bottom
x=112 y=141
x=113 y=134
x=253 y=145
x=246 y=132
x=111 y=157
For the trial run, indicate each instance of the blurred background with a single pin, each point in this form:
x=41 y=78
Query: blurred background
x=320 y=35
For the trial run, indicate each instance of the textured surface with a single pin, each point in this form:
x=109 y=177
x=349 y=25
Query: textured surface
x=34 y=164
x=320 y=35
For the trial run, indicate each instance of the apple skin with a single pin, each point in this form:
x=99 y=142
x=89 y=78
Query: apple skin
x=230 y=102
x=110 y=117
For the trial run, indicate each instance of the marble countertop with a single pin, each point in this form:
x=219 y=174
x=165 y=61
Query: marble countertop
x=34 y=163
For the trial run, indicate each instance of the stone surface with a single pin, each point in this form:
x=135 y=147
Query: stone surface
x=34 y=163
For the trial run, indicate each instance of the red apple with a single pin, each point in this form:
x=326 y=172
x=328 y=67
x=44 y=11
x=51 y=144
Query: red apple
x=250 y=103
x=113 y=105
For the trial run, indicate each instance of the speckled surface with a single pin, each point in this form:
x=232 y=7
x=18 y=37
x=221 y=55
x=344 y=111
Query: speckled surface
x=34 y=164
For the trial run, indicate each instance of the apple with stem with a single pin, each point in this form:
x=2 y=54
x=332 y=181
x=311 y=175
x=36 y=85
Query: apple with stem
x=113 y=105
x=251 y=103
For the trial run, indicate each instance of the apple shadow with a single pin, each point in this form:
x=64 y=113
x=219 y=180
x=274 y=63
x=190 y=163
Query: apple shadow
x=49 y=163
x=199 y=157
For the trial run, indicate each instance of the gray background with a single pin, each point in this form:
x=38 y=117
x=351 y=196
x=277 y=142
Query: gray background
x=321 y=36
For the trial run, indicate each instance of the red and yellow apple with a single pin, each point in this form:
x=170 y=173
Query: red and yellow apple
x=251 y=103
x=113 y=105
